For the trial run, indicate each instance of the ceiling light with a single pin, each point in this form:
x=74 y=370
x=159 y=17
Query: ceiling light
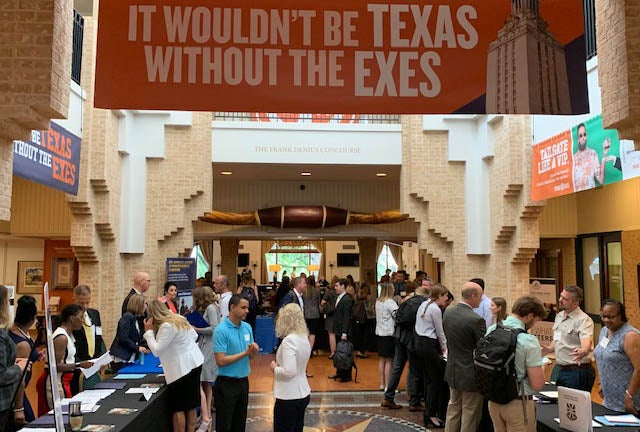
x=381 y=174
x=306 y=174
x=226 y=172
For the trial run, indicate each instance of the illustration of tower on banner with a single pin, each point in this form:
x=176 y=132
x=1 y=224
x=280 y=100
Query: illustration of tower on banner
x=526 y=66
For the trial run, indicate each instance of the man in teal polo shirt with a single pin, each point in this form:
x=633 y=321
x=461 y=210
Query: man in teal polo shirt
x=233 y=347
x=519 y=415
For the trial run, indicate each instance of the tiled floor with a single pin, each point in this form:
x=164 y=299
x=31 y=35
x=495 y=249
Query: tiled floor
x=334 y=406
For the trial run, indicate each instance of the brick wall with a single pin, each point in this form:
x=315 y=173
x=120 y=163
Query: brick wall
x=432 y=192
x=630 y=261
x=618 y=32
x=35 y=71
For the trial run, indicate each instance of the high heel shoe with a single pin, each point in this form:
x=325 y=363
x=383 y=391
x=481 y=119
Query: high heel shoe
x=429 y=423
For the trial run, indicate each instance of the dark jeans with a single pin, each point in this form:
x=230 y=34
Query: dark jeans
x=360 y=336
x=579 y=379
x=231 y=397
x=288 y=415
x=436 y=389
x=400 y=358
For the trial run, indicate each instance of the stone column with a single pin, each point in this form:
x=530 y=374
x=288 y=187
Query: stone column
x=368 y=260
x=229 y=260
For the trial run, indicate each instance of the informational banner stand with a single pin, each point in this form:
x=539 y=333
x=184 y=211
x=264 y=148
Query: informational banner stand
x=53 y=370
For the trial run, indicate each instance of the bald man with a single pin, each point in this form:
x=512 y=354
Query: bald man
x=463 y=328
x=141 y=283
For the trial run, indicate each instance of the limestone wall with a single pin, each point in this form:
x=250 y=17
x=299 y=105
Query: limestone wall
x=433 y=193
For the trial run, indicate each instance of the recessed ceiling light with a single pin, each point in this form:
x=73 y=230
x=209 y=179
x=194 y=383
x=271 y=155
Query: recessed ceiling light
x=226 y=172
x=381 y=174
x=306 y=174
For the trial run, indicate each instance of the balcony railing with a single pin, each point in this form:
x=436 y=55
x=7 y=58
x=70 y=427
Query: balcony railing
x=589 y=7
x=76 y=57
x=309 y=118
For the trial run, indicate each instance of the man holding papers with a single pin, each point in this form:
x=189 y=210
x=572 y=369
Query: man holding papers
x=89 y=343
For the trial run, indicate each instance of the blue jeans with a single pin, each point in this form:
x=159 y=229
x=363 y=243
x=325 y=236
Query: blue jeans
x=579 y=379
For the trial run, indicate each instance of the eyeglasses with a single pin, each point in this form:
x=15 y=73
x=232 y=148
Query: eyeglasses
x=609 y=317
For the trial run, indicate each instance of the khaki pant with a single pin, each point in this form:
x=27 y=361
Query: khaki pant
x=464 y=411
x=510 y=417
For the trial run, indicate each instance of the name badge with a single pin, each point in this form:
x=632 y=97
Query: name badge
x=247 y=337
x=98 y=331
x=556 y=335
x=604 y=342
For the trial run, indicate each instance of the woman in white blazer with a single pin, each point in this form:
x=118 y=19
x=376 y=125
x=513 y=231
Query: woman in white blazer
x=171 y=338
x=290 y=386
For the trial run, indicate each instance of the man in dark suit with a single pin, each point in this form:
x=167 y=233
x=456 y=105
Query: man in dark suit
x=463 y=328
x=89 y=343
x=141 y=283
x=295 y=295
x=342 y=321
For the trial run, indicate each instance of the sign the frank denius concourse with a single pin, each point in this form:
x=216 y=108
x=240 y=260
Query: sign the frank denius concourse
x=425 y=56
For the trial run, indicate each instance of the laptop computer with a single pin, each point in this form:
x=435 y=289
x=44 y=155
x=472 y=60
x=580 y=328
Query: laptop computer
x=574 y=410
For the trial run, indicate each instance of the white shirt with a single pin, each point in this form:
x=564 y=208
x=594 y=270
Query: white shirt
x=484 y=310
x=71 y=345
x=340 y=298
x=300 y=301
x=429 y=323
x=224 y=304
x=176 y=349
x=385 y=324
x=290 y=377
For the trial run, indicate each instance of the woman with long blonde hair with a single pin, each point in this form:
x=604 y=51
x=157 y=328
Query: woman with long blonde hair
x=290 y=385
x=204 y=303
x=171 y=338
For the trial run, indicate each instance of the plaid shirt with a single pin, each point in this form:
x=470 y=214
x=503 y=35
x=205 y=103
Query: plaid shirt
x=10 y=374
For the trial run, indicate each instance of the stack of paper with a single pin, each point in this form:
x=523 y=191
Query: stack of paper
x=629 y=419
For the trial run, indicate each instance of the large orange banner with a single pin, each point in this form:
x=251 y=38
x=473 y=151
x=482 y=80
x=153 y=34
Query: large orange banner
x=437 y=56
x=552 y=167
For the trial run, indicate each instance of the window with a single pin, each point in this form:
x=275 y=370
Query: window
x=599 y=265
x=293 y=259
x=386 y=261
x=202 y=265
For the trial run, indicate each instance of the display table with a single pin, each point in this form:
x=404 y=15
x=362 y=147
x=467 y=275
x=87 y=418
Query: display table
x=153 y=415
x=151 y=364
x=547 y=412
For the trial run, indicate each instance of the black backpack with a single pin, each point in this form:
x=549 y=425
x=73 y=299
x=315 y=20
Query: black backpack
x=406 y=320
x=406 y=312
x=343 y=358
x=494 y=361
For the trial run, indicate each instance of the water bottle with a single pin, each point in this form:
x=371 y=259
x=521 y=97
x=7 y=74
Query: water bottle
x=141 y=359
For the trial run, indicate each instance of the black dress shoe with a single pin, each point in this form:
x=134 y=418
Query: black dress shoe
x=431 y=425
x=345 y=379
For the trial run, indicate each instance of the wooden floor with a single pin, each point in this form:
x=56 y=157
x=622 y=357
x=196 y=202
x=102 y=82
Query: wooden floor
x=261 y=379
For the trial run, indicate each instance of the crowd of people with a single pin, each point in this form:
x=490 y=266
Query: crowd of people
x=205 y=352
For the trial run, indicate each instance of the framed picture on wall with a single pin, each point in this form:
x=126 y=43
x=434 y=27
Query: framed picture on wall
x=30 y=277
x=63 y=273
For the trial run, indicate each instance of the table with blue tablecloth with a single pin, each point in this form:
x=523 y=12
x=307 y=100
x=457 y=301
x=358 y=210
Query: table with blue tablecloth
x=150 y=364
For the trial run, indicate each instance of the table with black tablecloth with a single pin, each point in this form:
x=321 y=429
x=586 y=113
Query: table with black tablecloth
x=546 y=413
x=153 y=415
